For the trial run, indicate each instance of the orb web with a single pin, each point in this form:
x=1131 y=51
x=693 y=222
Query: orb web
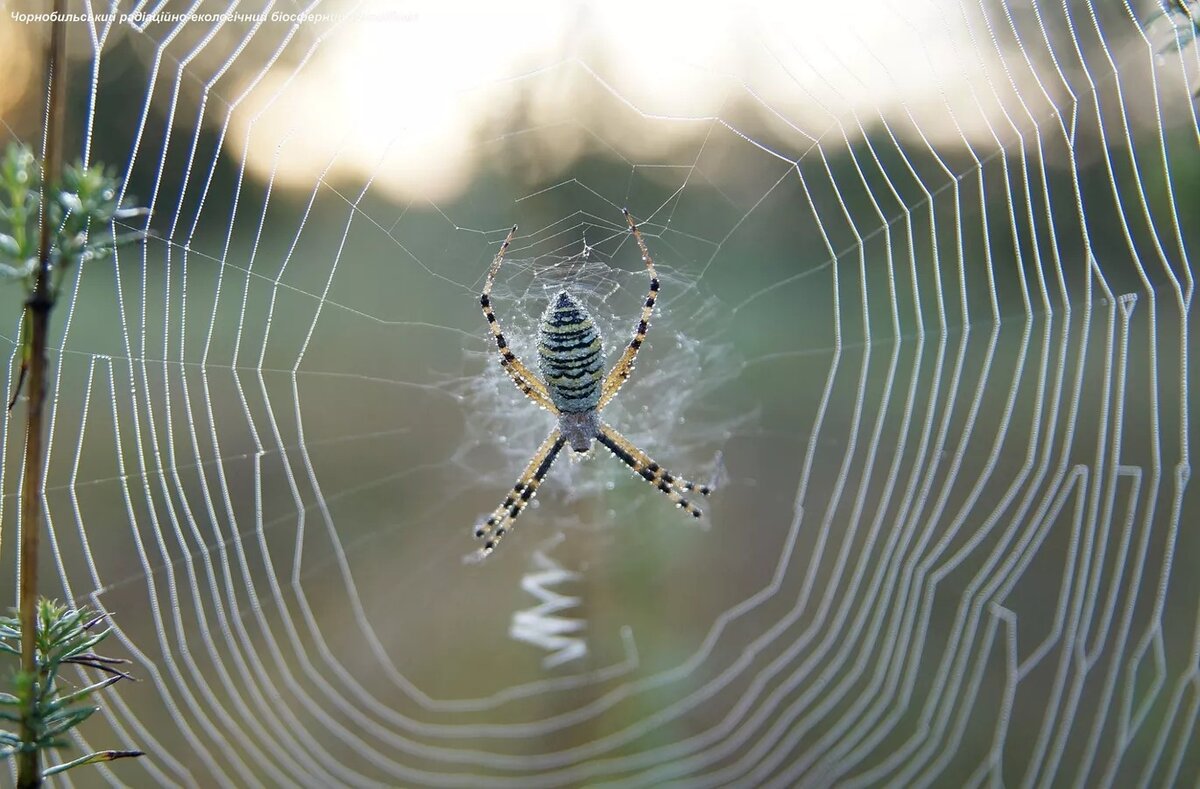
x=925 y=316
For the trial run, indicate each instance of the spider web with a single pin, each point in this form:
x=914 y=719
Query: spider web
x=925 y=319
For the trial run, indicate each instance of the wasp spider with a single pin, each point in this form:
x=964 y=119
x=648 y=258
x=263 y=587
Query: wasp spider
x=575 y=391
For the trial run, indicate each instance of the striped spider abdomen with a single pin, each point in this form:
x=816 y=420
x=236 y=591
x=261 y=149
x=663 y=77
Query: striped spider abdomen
x=571 y=356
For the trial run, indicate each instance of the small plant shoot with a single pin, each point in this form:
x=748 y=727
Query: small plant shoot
x=82 y=209
x=65 y=636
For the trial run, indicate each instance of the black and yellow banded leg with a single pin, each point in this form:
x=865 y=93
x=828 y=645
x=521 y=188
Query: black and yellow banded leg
x=501 y=521
x=661 y=474
x=624 y=367
x=650 y=471
x=521 y=375
x=683 y=485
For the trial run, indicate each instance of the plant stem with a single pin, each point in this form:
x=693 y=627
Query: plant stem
x=29 y=773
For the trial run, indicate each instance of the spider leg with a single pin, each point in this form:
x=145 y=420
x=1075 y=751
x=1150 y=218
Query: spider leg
x=521 y=375
x=650 y=471
x=678 y=483
x=502 y=519
x=624 y=367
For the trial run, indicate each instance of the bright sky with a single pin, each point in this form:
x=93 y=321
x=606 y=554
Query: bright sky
x=416 y=94
x=412 y=99
x=17 y=56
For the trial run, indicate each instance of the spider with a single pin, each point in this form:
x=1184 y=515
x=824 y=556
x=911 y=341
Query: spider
x=575 y=391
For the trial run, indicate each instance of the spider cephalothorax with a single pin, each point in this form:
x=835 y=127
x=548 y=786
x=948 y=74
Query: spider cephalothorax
x=571 y=359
